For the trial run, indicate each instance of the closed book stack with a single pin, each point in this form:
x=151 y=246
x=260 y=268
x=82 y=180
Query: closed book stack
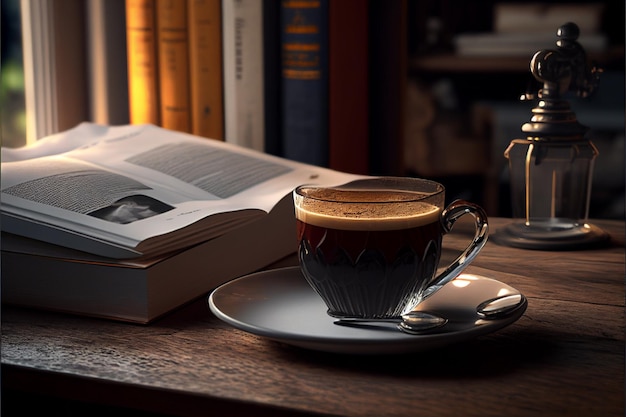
x=131 y=221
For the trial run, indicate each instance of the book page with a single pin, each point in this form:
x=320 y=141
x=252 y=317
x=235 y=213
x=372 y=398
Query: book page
x=75 y=186
x=129 y=184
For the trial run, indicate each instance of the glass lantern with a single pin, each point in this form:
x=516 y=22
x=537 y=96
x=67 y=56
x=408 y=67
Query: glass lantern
x=551 y=169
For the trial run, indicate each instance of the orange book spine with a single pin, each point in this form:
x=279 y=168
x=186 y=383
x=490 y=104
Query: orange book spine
x=205 y=68
x=141 y=38
x=173 y=57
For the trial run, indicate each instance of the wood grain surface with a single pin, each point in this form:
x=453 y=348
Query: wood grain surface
x=564 y=357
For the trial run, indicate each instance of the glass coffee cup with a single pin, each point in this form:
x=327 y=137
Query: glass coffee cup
x=371 y=248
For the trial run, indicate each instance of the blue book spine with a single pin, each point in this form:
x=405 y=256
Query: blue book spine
x=304 y=80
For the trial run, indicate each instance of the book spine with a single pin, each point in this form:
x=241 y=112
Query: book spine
x=173 y=58
x=304 y=26
x=348 y=121
x=141 y=44
x=271 y=74
x=387 y=86
x=205 y=68
x=244 y=114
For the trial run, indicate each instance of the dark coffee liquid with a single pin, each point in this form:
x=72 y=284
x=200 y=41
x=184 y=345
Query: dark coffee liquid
x=360 y=271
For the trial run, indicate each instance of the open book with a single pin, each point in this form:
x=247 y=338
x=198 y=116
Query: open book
x=140 y=190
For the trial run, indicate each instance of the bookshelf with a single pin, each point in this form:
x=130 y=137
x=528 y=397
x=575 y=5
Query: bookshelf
x=469 y=98
x=401 y=51
x=453 y=63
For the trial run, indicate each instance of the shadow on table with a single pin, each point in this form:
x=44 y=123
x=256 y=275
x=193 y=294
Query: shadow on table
x=491 y=355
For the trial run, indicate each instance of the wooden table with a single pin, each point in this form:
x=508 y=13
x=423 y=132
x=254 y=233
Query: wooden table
x=564 y=357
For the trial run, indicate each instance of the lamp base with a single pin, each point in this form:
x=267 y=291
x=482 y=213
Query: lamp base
x=549 y=235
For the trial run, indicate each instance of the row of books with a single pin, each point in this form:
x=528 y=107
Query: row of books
x=290 y=78
x=175 y=65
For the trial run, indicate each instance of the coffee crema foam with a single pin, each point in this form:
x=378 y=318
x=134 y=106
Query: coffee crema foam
x=387 y=211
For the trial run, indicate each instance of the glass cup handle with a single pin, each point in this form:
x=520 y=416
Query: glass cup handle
x=449 y=216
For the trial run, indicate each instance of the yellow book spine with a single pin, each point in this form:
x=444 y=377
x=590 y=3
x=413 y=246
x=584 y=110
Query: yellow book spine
x=205 y=66
x=143 y=97
x=173 y=57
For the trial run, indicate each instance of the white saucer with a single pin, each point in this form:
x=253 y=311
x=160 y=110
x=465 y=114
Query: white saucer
x=280 y=305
